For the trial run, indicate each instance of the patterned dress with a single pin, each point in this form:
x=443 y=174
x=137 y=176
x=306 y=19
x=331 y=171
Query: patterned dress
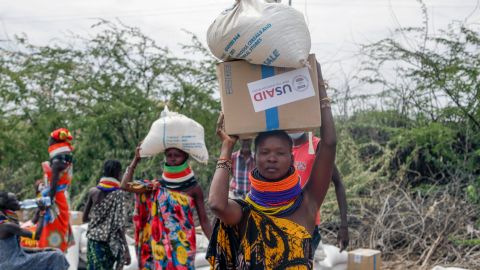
x=57 y=232
x=105 y=240
x=164 y=230
x=260 y=242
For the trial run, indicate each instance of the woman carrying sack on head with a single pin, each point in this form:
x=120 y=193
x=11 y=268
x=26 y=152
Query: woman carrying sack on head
x=164 y=225
x=57 y=232
x=272 y=228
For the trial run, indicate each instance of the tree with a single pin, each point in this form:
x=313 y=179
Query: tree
x=107 y=89
x=437 y=77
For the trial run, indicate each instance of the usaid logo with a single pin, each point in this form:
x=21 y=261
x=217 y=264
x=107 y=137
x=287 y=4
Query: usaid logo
x=300 y=83
x=272 y=92
x=281 y=89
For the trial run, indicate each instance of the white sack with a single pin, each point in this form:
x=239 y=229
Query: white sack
x=72 y=254
x=175 y=130
x=333 y=257
x=262 y=33
x=342 y=266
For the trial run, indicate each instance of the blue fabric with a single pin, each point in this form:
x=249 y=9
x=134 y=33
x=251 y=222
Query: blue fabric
x=316 y=238
x=46 y=193
x=13 y=257
x=107 y=190
x=271 y=115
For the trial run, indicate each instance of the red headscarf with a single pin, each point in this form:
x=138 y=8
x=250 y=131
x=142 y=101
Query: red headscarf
x=62 y=138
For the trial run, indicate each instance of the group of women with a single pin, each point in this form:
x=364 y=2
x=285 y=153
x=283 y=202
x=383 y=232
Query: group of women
x=271 y=229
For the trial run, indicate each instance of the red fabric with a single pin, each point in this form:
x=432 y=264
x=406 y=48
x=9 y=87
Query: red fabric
x=304 y=164
x=57 y=233
x=303 y=160
x=59 y=145
x=61 y=134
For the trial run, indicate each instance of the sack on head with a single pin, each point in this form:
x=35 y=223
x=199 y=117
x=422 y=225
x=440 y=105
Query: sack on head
x=174 y=130
x=262 y=33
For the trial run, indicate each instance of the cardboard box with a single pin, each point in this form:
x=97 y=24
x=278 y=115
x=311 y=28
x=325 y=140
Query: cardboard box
x=25 y=214
x=21 y=216
x=76 y=218
x=364 y=259
x=238 y=101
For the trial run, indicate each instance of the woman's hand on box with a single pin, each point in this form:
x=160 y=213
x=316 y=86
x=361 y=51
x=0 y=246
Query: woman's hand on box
x=227 y=140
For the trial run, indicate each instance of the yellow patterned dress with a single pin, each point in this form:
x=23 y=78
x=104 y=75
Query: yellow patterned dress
x=260 y=242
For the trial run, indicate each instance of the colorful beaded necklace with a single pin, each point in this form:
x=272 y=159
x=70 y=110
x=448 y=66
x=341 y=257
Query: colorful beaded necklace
x=280 y=198
x=178 y=177
x=108 y=184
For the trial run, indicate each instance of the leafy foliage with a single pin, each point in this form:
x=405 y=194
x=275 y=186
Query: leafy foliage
x=108 y=90
x=414 y=139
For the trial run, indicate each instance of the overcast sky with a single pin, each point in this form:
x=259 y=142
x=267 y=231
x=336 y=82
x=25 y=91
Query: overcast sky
x=336 y=26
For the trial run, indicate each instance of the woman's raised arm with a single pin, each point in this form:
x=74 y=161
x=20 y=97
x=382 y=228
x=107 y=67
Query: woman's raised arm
x=228 y=211
x=321 y=173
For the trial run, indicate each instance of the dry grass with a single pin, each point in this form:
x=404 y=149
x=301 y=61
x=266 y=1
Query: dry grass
x=413 y=229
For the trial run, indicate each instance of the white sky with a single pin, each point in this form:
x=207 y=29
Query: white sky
x=336 y=26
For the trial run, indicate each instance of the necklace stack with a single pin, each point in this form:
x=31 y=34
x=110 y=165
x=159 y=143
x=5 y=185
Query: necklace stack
x=279 y=198
x=178 y=177
x=108 y=184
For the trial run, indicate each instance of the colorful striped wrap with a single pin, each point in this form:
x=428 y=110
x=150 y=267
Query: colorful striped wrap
x=8 y=216
x=108 y=184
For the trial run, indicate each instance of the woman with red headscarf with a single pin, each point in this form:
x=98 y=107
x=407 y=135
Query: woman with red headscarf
x=57 y=232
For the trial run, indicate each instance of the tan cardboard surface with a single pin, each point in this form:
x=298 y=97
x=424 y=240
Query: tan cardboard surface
x=76 y=218
x=240 y=117
x=364 y=259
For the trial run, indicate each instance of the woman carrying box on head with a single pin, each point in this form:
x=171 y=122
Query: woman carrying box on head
x=272 y=227
x=164 y=226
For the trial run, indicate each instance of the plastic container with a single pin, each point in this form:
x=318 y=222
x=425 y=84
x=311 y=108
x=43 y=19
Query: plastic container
x=33 y=203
